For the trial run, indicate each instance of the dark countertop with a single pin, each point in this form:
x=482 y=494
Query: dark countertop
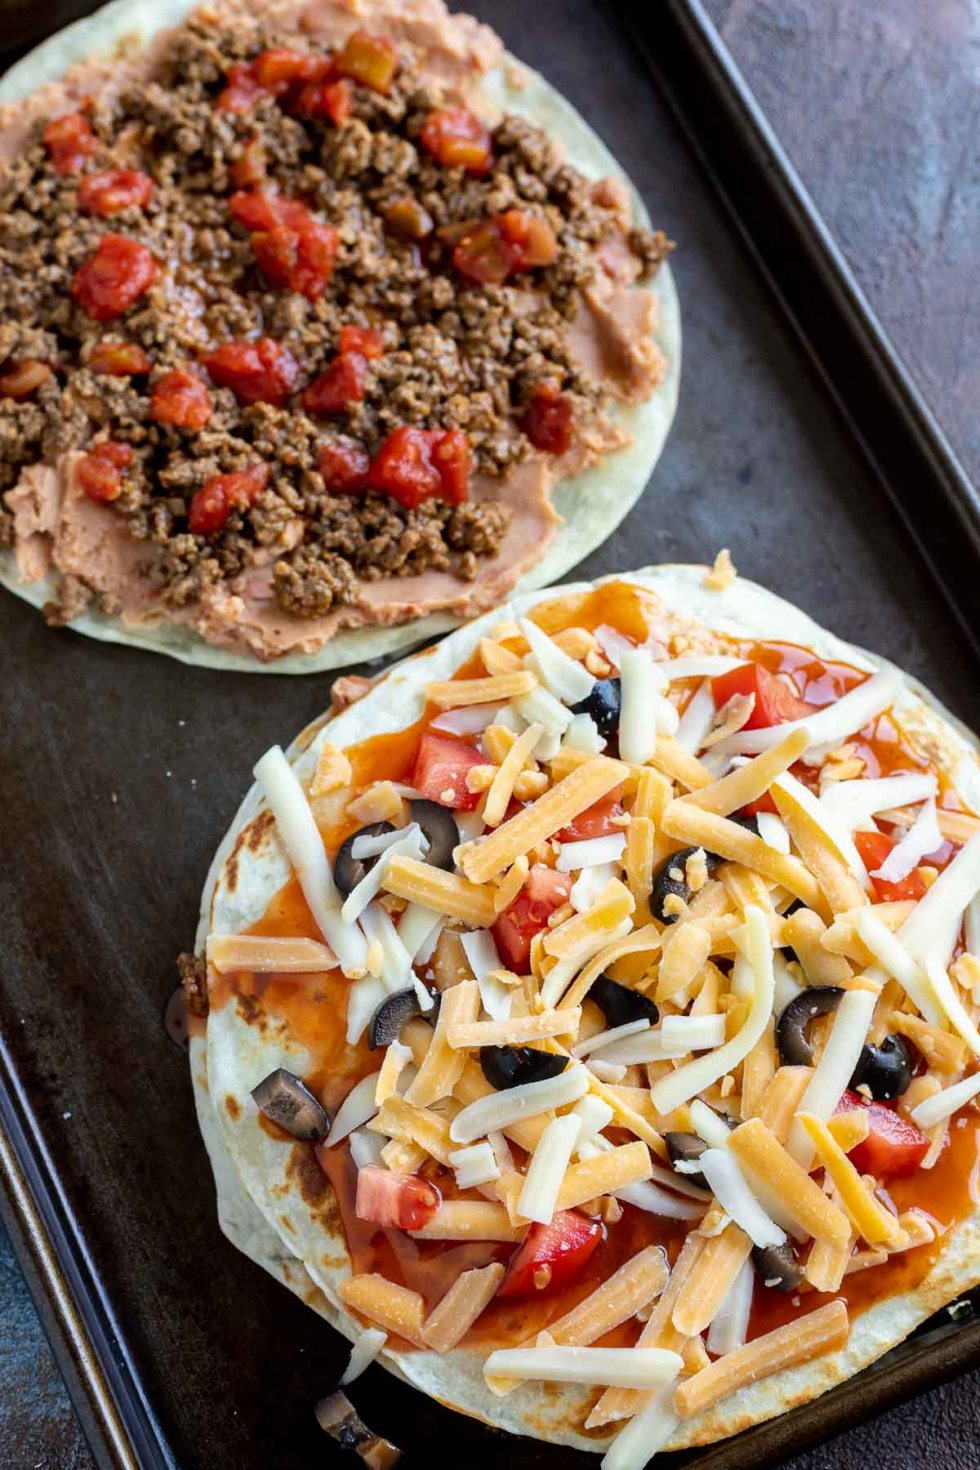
x=879 y=111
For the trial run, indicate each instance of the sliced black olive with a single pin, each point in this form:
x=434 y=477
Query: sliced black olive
x=886 y=1070
x=603 y=704
x=792 y=1027
x=670 y=878
x=439 y=829
x=620 y=1005
x=337 y=1417
x=349 y=870
x=777 y=1266
x=391 y=1015
x=686 y=1148
x=286 y=1100
x=509 y=1066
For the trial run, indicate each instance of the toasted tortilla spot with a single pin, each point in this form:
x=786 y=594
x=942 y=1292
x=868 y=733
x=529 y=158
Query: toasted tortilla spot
x=233 y=1107
x=304 y=1171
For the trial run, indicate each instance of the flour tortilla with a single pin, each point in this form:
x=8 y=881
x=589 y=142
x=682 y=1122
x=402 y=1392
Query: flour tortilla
x=592 y=503
x=298 y=1215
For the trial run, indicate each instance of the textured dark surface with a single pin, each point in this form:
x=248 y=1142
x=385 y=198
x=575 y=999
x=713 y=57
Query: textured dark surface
x=879 y=112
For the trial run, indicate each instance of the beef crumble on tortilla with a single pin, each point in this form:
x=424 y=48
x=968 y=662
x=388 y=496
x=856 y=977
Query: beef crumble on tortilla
x=593 y=1013
x=306 y=314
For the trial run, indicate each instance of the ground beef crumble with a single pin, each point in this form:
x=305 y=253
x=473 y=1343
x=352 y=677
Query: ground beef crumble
x=457 y=355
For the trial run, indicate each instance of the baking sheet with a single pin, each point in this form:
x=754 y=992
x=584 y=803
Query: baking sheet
x=121 y=771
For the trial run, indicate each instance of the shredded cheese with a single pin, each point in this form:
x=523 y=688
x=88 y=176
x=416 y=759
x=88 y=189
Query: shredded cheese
x=455 y=1314
x=828 y=1082
x=635 y=1367
x=457 y=693
x=286 y=954
x=366 y=1348
x=546 y=1170
x=561 y=675
x=498 y=1110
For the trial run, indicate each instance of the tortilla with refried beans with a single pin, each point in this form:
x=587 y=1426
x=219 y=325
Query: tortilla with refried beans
x=323 y=326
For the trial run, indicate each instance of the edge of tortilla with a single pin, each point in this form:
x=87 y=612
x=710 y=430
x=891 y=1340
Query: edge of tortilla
x=592 y=503
x=239 y=1060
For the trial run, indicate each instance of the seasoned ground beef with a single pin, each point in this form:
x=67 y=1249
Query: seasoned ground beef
x=457 y=357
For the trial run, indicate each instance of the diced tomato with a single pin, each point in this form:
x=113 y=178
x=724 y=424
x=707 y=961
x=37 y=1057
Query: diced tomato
x=341 y=385
x=259 y=209
x=531 y=238
x=440 y=769
x=551 y=1256
x=182 y=399
x=873 y=848
x=118 y=359
x=24 y=378
x=69 y=141
x=249 y=168
x=414 y=465
x=211 y=506
x=241 y=89
x=484 y=255
x=894 y=1147
x=117 y=189
x=370 y=60
x=114 y=277
x=297 y=258
x=368 y=341
x=100 y=471
x=333 y=100
x=765 y=803
x=456 y=138
x=256 y=372
x=776 y=701
x=598 y=820
x=279 y=68
x=396 y=1201
x=407 y=219
x=544 y=891
x=344 y=466
x=549 y=420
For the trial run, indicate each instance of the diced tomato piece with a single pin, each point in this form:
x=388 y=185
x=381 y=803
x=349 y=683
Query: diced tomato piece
x=344 y=466
x=249 y=168
x=414 y=465
x=300 y=259
x=100 y=471
x=241 y=90
x=544 y=891
x=211 y=506
x=598 y=820
x=440 y=769
x=259 y=209
x=456 y=138
x=69 y=141
x=256 y=372
x=775 y=699
x=118 y=359
x=396 y=1201
x=279 y=68
x=549 y=420
x=894 y=1147
x=368 y=341
x=333 y=100
x=551 y=1256
x=182 y=399
x=341 y=385
x=531 y=238
x=765 y=803
x=484 y=255
x=116 y=189
x=24 y=378
x=873 y=848
x=114 y=277
x=370 y=60
x=407 y=219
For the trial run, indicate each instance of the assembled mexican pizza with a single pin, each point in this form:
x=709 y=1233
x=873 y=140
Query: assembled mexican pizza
x=586 y=1014
x=320 y=319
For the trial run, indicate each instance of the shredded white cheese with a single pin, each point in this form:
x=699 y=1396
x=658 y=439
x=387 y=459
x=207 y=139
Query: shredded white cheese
x=731 y=1322
x=472 y=719
x=835 y=1068
x=545 y=1172
x=302 y=840
x=646 y=1433
x=396 y=964
x=943 y=1105
x=591 y=852
x=772 y=830
x=602 y=1039
x=356 y=1109
x=481 y=954
x=721 y=1170
x=854 y=803
x=934 y=923
x=408 y=843
x=498 y=1110
x=922 y=838
x=682 y=1034
x=634 y=1367
x=698 y=719
x=568 y=680
x=835 y=832
x=367 y=1346
x=644 y=710
x=828 y=726
x=583 y=734
x=474 y=1165
x=589 y=886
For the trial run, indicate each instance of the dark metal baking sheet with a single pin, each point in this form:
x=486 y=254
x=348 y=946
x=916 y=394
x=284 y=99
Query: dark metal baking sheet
x=121 y=769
